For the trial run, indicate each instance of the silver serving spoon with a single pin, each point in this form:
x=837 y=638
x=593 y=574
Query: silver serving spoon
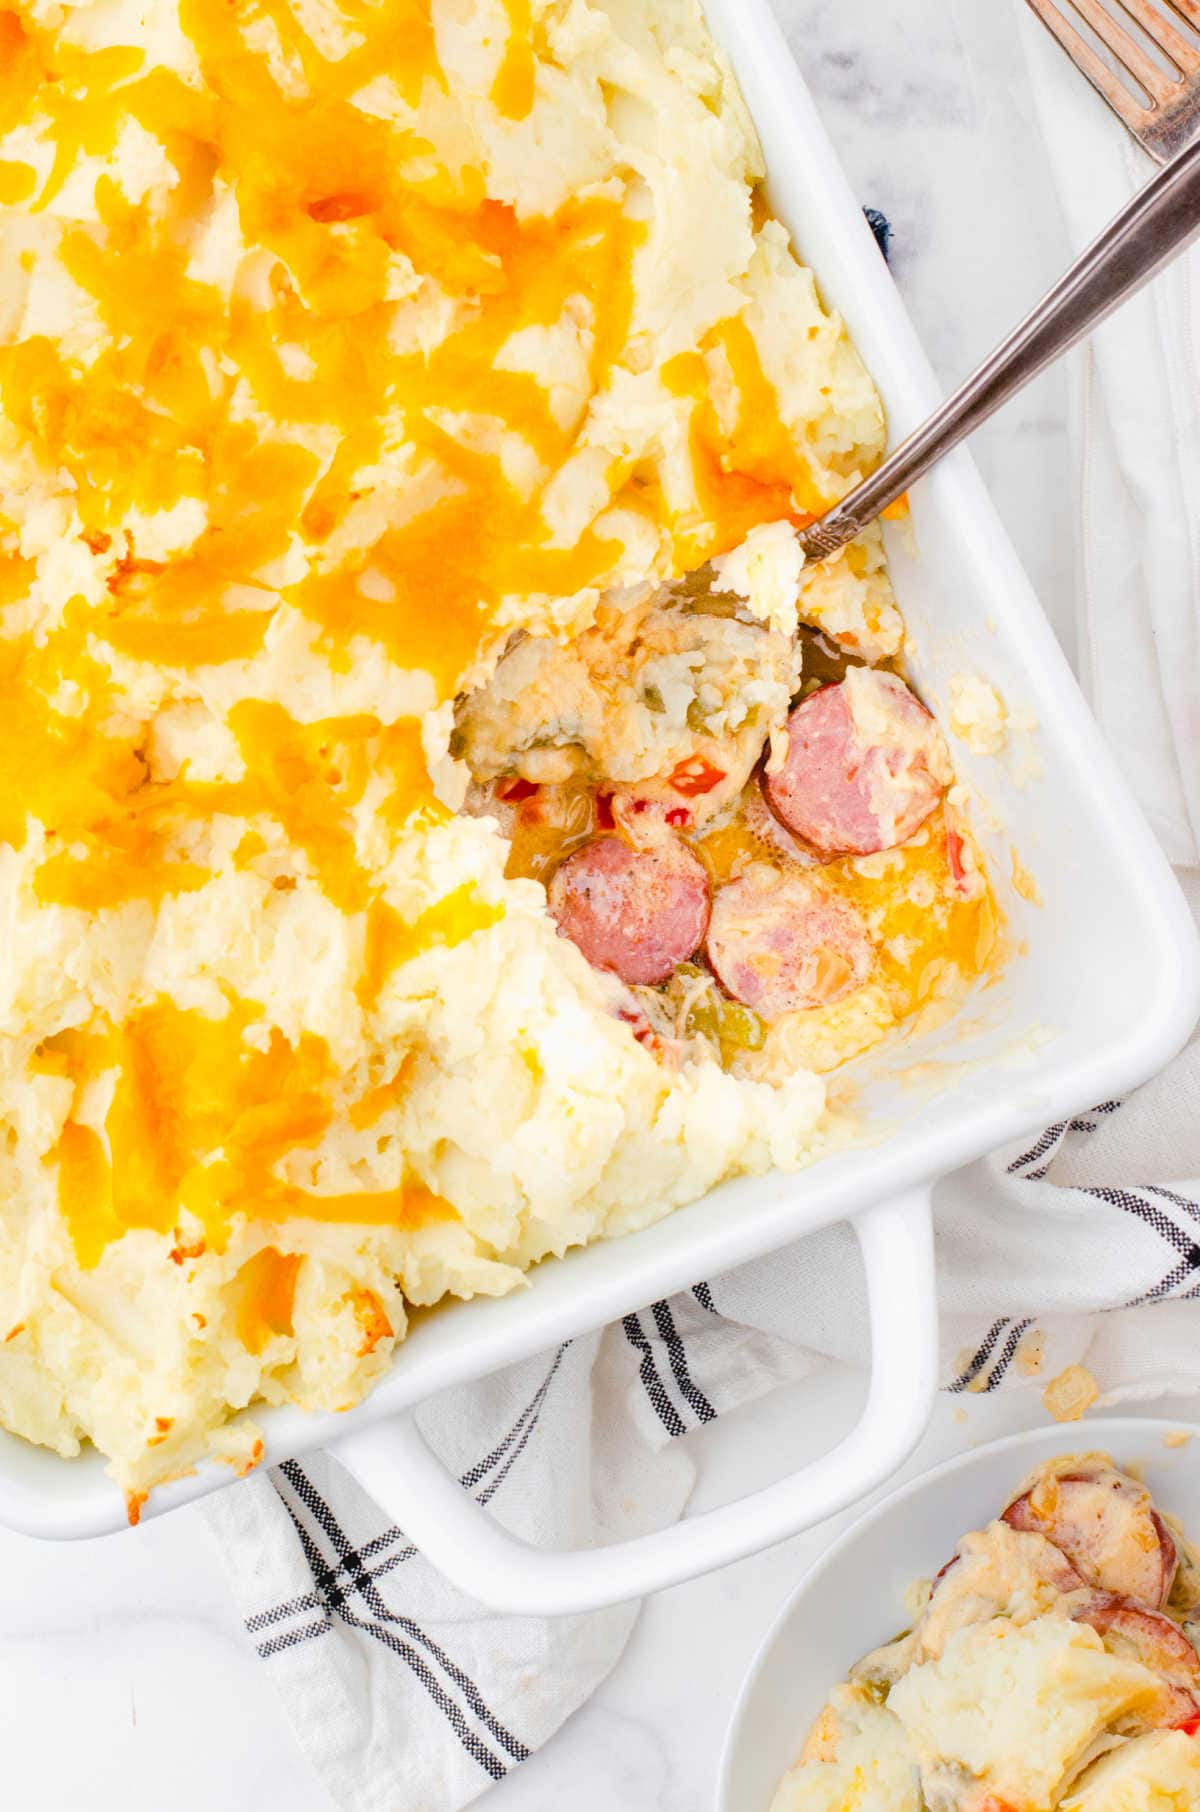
x=1157 y=224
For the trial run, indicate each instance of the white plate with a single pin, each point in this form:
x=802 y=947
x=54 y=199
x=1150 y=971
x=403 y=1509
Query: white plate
x=853 y=1598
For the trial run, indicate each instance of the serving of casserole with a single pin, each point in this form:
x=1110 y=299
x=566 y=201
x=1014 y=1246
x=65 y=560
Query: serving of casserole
x=1051 y=1663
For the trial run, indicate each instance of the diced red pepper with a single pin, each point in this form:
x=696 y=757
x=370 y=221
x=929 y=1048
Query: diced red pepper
x=963 y=871
x=640 y=1026
x=695 y=776
x=513 y=791
x=678 y=816
x=604 y=811
x=954 y=849
x=1190 y=1726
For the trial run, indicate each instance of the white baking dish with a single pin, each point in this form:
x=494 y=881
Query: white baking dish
x=854 y=1598
x=1104 y=988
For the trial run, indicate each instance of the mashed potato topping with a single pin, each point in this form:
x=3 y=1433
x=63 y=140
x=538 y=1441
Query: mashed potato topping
x=1053 y=1668
x=349 y=354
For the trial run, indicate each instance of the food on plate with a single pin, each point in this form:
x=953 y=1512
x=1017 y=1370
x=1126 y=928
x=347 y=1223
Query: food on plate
x=658 y=701
x=1155 y=1773
x=857 y=1756
x=1034 y=1679
x=1107 y=1527
x=409 y=872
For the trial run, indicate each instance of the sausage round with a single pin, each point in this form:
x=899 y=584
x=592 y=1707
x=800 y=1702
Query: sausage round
x=865 y=766
x=1108 y=1528
x=636 y=912
x=780 y=941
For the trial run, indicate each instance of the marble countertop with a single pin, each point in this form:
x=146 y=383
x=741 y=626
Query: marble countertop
x=132 y=1646
x=125 y=1679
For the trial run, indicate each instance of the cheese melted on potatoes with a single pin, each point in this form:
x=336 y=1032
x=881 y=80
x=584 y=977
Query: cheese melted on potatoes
x=352 y=356
x=1053 y=1668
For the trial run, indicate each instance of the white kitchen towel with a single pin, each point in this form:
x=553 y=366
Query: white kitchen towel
x=406 y=1697
x=1135 y=433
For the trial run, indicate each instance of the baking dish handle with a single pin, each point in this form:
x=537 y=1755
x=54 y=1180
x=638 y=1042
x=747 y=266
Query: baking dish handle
x=391 y=1460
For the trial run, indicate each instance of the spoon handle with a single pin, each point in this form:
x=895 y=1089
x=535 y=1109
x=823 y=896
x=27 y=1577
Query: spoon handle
x=1158 y=223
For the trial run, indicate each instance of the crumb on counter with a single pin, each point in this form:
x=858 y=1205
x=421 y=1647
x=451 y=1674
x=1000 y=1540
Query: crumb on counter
x=238 y=1445
x=1071 y=1394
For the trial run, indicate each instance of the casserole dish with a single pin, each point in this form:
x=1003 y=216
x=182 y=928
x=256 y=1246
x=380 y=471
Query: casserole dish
x=839 y=1611
x=965 y=582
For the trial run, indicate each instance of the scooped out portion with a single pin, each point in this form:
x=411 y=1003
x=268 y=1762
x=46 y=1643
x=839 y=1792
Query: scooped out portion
x=664 y=702
x=1024 y=1686
x=746 y=827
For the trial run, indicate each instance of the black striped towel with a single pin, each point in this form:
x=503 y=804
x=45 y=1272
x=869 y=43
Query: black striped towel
x=407 y=1697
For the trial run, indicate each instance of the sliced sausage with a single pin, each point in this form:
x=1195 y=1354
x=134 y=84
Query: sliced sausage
x=992 y=1575
x=1108 y=1528
x=1158 y=1641
x=865 y=766
x=760 y=821
x=1159 y=1644
x=1035 y=1562
x=780 y=941
x=636 y=912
